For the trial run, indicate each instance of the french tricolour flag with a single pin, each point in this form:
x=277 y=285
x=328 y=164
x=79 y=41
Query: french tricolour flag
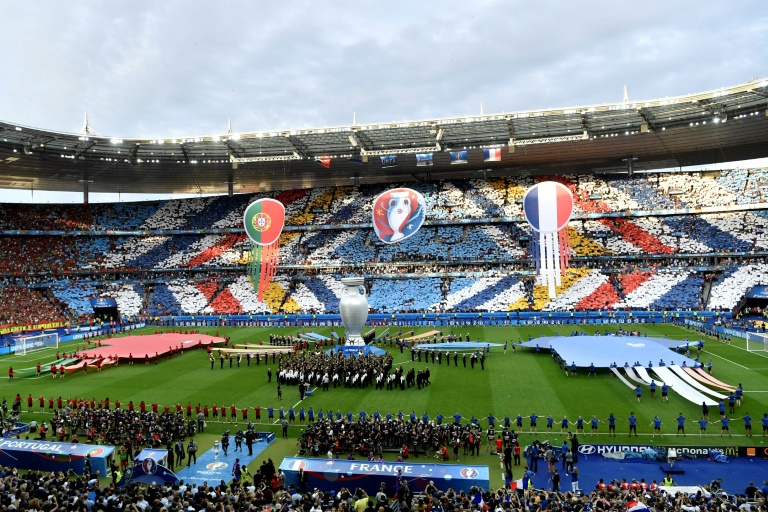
x=479 y=501
x=492 y=155
x=636 y=506
x=517 y=485
x=548 y=206
x=297 y=464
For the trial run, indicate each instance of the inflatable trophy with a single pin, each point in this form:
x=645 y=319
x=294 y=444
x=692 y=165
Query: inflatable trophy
x=353 y=307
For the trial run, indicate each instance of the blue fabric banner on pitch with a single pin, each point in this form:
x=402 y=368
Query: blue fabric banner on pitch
x=329 y=475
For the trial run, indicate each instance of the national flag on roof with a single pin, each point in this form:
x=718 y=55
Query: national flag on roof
x=479 y=501
x=389 y=160
x=458 y=157
x=423 y=159
x=492 y=155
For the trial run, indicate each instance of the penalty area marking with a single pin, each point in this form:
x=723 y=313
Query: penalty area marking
x=728 y=360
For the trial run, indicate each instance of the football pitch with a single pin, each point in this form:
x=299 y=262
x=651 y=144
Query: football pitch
x=518 y=382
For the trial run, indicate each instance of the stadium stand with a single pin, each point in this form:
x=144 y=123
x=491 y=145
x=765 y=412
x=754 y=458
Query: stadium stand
x=409 y=295
x=130 y=251
x=732 y=285
x=25 y=306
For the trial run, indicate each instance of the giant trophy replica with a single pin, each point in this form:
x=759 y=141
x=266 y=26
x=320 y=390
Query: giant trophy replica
x=353 y=307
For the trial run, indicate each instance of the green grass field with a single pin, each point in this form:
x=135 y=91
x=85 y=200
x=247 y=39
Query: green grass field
x=512 y=383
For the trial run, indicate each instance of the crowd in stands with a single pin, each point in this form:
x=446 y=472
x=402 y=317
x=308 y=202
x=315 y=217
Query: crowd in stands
x=486 y=288
x=265 y=489
x=160 y=273
x=24 y=306
x=499 y=197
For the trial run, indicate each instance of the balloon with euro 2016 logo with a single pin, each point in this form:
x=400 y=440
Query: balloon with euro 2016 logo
x=398 y=214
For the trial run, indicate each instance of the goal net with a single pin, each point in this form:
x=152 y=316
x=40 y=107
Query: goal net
x=757 y=342
x=29 y=343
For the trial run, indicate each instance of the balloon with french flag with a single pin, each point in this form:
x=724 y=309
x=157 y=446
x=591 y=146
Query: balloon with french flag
x=548 y=207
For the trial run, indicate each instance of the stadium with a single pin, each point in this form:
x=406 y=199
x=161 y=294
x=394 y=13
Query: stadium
x=654 y=252
x=142 y=336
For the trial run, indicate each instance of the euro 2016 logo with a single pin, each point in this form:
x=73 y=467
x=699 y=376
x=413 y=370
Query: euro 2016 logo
x=261 y=222
x=398 y=214
x=469 y=473
x=149 y=466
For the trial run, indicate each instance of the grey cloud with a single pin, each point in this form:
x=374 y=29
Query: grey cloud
x=181 y=68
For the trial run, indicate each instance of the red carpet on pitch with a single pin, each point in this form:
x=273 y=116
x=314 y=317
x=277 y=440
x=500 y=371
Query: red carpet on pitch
x=139 y=346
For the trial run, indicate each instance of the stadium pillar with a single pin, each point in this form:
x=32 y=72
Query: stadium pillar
x=630 y=161
x=230 y=188
x=85 y=191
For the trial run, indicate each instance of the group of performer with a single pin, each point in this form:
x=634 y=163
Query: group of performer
x=476 y=357
x=406 y=434
x=323 y=370
x=239 y=358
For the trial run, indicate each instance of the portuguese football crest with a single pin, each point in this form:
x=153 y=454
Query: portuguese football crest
x=261 y=222
x=264 y=220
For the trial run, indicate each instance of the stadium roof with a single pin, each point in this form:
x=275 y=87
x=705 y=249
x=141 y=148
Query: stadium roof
x=729 y=124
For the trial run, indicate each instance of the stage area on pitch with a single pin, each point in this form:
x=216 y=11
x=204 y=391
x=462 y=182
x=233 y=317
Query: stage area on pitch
x=456 y=346
x=736 y=475
x=140 y=346
x=603 y=351
x=356 y=351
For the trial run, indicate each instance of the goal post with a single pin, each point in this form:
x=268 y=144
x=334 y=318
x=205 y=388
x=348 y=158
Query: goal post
x=757 y=342
x=27 y=344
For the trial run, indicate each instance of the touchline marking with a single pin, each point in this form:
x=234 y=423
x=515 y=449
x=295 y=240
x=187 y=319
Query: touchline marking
x=294 y=406
x=726 y=359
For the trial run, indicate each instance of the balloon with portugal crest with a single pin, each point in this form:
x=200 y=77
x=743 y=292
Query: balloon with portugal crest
x=264 y=221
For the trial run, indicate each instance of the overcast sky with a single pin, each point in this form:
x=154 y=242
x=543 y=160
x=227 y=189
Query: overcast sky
x=169 y=69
